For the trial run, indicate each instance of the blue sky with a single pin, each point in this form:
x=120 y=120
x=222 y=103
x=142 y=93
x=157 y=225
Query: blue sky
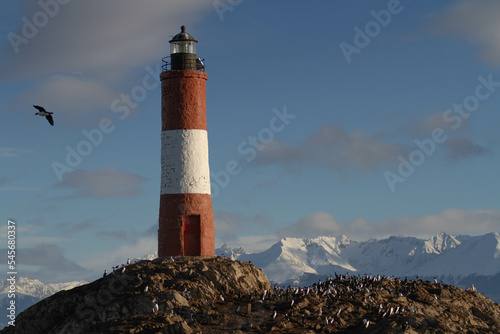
x=363 y=118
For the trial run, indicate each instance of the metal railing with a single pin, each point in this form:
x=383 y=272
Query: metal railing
x=199 y=64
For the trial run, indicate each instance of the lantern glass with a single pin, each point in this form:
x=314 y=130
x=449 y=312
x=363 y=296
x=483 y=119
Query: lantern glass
x=182 y=47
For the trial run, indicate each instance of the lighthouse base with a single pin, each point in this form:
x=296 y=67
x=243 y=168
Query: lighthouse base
x=186 y=225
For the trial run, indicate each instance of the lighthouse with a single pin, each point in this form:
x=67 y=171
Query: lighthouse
x=186 y=219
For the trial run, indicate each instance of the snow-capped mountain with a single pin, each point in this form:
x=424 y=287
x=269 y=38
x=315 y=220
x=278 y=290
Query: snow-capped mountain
x=457 y=260
x=28 y=292
x=37 y=289
x=232 y=253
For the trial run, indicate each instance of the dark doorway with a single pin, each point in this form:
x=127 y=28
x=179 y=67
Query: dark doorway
x=191 y=229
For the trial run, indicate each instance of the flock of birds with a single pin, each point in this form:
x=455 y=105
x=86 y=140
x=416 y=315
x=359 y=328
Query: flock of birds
x=336 y=297
x=342 y=286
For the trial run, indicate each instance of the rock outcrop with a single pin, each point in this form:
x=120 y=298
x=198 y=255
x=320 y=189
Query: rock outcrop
x=219 y=295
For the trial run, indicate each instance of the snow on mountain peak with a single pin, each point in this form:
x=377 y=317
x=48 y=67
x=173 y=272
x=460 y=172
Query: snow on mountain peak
x=497 y=252
x=232 y=253
x=35 y=288
x=440 y=243
x=443 y=254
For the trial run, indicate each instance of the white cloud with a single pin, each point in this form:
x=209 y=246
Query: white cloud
x=78 y=228
x=102 y=183
x=251 y=244
x=343 y=151
x=434 y=121
x=72 y=98
x=313 y=225
x=10 y=152
x=459 y=142
x=110 y=258
x=452 y=221
x=104 y=38
x=475 y=21
x=333 y=148
x=48 y=263
x=459 y=147
x=229 y=224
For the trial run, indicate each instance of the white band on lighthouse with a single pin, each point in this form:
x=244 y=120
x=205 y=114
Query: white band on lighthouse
x=184 y=162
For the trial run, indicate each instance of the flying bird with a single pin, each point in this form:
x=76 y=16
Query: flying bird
x=44 y=113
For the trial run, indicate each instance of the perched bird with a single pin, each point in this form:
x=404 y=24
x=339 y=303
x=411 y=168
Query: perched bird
x=44 y=113
x=264 y=295
x=105 y=273
x=199 y=63
x=128 y=261
x=146 y=288
x=155 y=308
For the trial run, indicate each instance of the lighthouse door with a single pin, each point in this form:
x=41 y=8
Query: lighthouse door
x=191 y=227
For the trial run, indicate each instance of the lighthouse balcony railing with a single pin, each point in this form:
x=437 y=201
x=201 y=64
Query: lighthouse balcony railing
x=198 y=64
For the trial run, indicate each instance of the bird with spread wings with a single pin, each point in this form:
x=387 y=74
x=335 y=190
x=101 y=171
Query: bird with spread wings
x=44 y=113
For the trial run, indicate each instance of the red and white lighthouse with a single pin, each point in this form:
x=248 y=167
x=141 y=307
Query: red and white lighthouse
x=186 y=219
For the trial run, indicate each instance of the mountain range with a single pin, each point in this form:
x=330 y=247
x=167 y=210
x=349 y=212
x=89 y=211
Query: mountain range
x=459 y=260
x=28 y=292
